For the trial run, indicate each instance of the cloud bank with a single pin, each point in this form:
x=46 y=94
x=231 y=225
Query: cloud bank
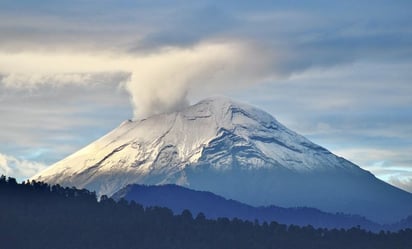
x=157 y=82
x=19 y=168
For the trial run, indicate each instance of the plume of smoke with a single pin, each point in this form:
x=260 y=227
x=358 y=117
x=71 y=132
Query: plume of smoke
x=162 y=82
x=157 y=82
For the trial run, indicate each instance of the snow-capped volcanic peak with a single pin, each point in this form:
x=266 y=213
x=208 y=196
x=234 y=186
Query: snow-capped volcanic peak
x=176 y=139
x=218 y=145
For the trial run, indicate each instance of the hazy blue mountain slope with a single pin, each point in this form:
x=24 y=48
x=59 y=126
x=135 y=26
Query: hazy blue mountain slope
x=178 y=198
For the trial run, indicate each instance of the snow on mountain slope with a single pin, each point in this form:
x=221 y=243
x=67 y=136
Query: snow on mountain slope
x=233 y=150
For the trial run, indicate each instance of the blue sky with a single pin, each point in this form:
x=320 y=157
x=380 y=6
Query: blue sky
x=338 y=72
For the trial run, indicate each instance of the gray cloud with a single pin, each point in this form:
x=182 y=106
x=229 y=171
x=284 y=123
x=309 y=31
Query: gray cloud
x=46 y=122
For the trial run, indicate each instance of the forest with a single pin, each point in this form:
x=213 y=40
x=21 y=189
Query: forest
x=35 y=215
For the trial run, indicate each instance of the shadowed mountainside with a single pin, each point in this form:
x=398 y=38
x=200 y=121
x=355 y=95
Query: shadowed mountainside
x=178 y=198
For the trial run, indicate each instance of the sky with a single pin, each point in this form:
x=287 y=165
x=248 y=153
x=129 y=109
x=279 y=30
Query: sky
x=337 y=72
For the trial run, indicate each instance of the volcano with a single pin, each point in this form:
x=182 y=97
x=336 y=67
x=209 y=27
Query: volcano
x=234 y=150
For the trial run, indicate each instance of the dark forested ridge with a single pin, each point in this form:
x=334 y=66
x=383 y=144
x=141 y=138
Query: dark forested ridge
x=36 y=215
x=178 y=198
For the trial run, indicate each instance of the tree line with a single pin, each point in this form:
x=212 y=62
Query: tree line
x=35 y=215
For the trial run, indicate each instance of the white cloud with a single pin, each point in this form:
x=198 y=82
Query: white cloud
x=403 y=181
x=391 y=165
x=19 y=168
